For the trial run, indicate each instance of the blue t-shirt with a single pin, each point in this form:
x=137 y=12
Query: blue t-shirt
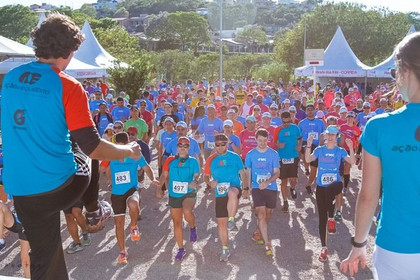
x=242 y=120
x=172 y=148
x=311 y=127
x=283 y=96
x=167 y=137
x=267 y=100
x=329 y=161
x=120 y=114
x=395 y=139
x=149 y=104
x=94 y=104
x=262 y=166
x=276 y=121
x=289 y=136
x=233 y=139
x=124 y=174
x=196 y=121
x=362 y=120
x=225 y=170
x=207 y=127
x=181 y=173
x=35 y=123
x=180 y=116
x=160 y=112
x=103 y=123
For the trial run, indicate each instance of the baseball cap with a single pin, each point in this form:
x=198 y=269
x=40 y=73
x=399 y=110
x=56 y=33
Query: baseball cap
x=319 y=115
x=169 y=119
x=218 y=98
x=91 y=95
x=134 y=107
x=109 y=96
x=351 y=114
x=228 y=123
x=339 y=104
x=292 y=108
x=332 y=129
x=183 y=140
x=286 y=101
x=367 y=104
x=266 y=115
x=109 y=126
x=274 y=105
x=343 y=110
x=257 y=107
x=132 y=129
x=231 y=111
x=383 y=100
x=251 y=118
x=231 y=95
x=182 y=124
x=179 y=96
x=211 y=106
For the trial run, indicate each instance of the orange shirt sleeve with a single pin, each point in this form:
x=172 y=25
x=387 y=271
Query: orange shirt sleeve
x=208 y=163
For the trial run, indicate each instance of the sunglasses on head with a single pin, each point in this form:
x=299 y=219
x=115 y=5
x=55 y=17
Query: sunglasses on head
x=185 y=146
x=221 y=144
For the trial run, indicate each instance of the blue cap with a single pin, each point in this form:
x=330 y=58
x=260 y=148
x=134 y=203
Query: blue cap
x=251 y=118
x=332 y=129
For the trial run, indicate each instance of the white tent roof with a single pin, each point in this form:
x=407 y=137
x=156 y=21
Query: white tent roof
x=10 y=48
x=339 y=61
x=41 y=19
x=91 y=52
x=76 y=68
x=382 y=70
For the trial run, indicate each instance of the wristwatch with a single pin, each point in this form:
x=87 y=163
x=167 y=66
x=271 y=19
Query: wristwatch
x=246 y=189
x=356 y=244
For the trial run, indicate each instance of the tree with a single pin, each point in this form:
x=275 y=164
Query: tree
x=132 y=78
x=272 y=71
x=121 y=13
x=234 y=16
x=119 y=43
x=253 y=36
x=137 y=7
x=16 y=22
x=88 y=9
x=177 y=65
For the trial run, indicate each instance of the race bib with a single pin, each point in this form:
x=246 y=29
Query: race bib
x=287 y=160
x=180 y=187
x=211 y=145
x=328 y=178
x=222 y=188
x=313 y=134
x=122 y=177
x=262 y=178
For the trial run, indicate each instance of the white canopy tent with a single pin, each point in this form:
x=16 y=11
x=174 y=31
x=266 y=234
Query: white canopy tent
x=41 y=19
x=91 y=52
x=10 y=48
x=339 y=61
x=383 y=69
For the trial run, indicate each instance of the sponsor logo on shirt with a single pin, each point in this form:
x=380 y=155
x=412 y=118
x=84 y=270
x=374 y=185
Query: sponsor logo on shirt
x=407 y=148
x=261 y=159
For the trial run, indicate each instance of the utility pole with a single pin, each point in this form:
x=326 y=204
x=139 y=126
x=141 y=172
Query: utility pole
x=221 y=49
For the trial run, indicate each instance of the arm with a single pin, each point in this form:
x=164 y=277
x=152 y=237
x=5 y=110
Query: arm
x=245 y=183
x=366 y=204
x=308 y=156
x=248 y=176
x=273 y=178
x=109 y=151
x=351 y=158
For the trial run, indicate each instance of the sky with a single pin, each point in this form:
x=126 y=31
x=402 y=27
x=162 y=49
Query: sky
x=393 y=5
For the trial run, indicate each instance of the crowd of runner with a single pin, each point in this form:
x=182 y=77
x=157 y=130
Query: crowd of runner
x=238 y=142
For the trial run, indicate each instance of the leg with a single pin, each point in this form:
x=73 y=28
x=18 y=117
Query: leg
x=187 y=208
x=24 y=258
x=72 y=228
x=233 y=202
x=90 y=197
x=80 y=218
x=262 y=222
x=321 y=201
x=312 y=175
x=133 y=209
x=176 y=214
x=223 y=230
x=119 y=231
x=6 y=218
x=284 y=189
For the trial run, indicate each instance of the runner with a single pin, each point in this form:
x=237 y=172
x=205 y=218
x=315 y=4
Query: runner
x=289 y=142
x=182 y=171
x=328 y=181
x=263 y=169
x=124 y=194
x=222 y=172
x=392 y=140
x=247 y=136
x=234 y=143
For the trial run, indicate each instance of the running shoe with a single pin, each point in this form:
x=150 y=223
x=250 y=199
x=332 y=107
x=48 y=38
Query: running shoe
x=323 y=256
x=268 y=249
x=293 y=192
x=256 y=236
x=193 y=234
x=74 y=248
x=224 y=256
x=101 y=216
x=86 y=239
x=338 y=216
x=122 y=257
x=309 y=190
x=331 y=226
x=285 y=207
x=180 y=255
x=2 y=245
x=135 y=233
x=232 y=225
x=307 y=172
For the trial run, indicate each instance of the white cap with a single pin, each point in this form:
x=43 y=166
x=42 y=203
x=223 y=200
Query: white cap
x=292 y=108
x=109 y=96
x=211 y=106
x=228 y=123
x=266 y=115
x=286 y=101
x=343 y=110
x=367 y=104
x=319 y=115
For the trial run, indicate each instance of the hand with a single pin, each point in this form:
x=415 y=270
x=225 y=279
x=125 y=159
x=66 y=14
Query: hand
x=213 y=184
x=159 y=192
x=6 y=232
x=309 y=141
x=193 y=185
x=135 y=151
x=349 y=143
x=281 y=145
x=155 y=183
x=215 y=132
x=263 y=185
x=196 y=136
x=245 y=194
x=352 y=261
x=95 y=228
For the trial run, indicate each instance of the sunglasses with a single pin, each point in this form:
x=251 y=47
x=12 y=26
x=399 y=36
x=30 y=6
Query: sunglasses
x=366 y=107
x=221 y=144
x=132 y=134
x=142 y=105
x=117 y=127
x=185 y=146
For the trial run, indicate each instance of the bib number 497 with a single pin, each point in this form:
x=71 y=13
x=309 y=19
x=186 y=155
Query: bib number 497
x=180 y=187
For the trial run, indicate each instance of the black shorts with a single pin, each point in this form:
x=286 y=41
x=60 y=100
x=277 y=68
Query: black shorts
x=176 y=202
x=312 y=163
x=289 y=170
x=119 y=202
x=221 y=204
x=266 y=198
x=78 y=204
